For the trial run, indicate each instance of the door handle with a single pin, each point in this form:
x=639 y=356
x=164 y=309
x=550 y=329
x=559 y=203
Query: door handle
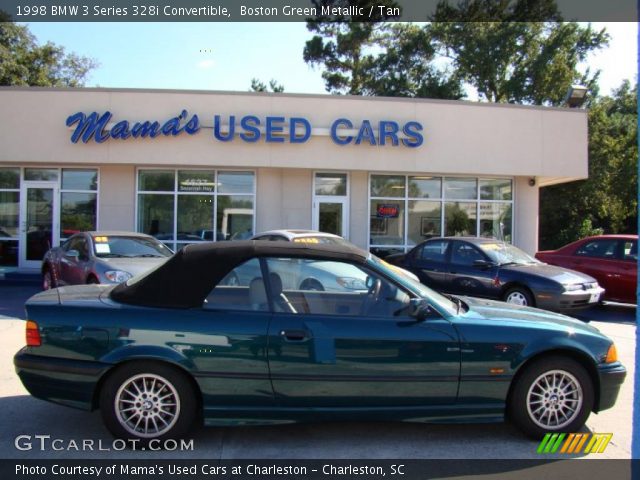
x=294 y=335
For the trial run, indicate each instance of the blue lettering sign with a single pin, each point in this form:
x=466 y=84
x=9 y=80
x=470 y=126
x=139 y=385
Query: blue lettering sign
x=92 y=126
x=334 y=131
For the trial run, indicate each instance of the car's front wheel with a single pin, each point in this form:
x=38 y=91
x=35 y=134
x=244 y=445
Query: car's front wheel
x=554 y=394
x=519 y=296
x=147 y=401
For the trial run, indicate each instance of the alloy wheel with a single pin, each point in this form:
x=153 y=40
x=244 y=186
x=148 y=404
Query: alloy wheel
x=554 y=399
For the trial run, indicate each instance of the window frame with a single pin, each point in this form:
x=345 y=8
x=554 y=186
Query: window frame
x=174 y=243
x=406 y=244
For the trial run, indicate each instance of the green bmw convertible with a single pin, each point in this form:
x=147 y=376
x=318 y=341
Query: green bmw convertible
x=182 y=343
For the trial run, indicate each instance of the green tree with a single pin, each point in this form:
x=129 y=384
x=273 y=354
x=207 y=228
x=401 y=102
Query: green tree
x=259 y=86
x=607 y=200
x=510 y=59
x=24 y=62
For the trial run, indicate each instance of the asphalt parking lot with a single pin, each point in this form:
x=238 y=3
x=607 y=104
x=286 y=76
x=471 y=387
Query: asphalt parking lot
x=20 y=414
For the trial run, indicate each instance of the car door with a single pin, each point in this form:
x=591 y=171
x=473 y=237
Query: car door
x=358 y=348
x=598 y=258
x=627 y=267
x=465 y=277
x=226 y=340
x=73 y=267
x=429 y=262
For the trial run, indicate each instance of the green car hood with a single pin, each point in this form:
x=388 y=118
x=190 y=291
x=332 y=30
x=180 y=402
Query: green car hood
x=504 y=313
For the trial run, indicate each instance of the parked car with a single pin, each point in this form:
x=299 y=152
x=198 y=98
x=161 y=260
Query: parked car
x=610 y=259
x=174 y=345
x=488 y=268
x=101 y=257
x=315 y=237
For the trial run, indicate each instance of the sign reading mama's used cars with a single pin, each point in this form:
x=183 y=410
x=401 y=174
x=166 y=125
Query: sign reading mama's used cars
x=248 y=128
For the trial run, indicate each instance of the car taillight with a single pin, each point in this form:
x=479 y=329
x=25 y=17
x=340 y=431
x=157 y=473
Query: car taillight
x=33 y=334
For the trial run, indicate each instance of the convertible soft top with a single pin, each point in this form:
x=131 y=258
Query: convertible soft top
x=188 y=277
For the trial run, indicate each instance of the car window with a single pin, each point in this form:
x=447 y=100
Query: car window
x=465 y=254
x=320 y=287
x=603 y=248
x=435 y=251
x=630 y=250
x=119 y=246
x=82 y=247
x=243 y=289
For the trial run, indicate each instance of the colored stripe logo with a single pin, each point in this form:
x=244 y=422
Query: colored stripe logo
x=574 y=443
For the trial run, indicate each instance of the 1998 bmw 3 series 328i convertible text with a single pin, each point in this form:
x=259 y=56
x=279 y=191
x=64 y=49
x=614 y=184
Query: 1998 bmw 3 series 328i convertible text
x=183 y=342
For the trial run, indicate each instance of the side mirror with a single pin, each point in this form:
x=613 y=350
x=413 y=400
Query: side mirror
x=419 y=309
x=483 y=264
x=72 y=254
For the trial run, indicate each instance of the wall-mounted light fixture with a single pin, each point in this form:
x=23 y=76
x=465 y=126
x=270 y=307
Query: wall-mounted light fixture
x=576 y=96
x=532 y=182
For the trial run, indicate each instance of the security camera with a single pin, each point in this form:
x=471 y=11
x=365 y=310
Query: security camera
x=532 y=182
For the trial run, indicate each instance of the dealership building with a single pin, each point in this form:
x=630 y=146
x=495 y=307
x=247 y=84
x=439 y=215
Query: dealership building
x=191 y=166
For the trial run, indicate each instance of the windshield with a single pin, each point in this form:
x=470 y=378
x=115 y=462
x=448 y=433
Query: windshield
x=504 y=253
x=440 y=301
x=129 y=247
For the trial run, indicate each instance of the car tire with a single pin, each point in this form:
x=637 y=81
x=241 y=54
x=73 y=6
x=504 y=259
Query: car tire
x=311 y=284
x=554 y=394
x=167 y=409
x=92 y=280
x=47 y=279
x=519 y=296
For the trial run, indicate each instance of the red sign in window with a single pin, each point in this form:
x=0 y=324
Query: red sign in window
x=386 y=210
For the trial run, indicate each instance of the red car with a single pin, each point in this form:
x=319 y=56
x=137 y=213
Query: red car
x=610 y=259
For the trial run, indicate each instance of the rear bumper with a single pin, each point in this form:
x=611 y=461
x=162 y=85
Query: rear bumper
x=59 y=380
x=611 y=379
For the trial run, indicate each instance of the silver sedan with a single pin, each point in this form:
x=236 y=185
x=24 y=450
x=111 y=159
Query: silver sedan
x=101 y=257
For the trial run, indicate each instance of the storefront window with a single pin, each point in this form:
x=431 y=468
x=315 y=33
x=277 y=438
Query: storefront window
x=460 y=218
x=10 y=178
x=202 y=210
x=388 y=185
x=424 y=221
x=77 y=213
x=73 y=179
x=41 y=174
x=497 y=189
x=9 y=213
x=456 y=206
x=460 y=188
x=425 y=187
x=495 y=220
x=156 y=180
x=334 y=184
x=78 y=201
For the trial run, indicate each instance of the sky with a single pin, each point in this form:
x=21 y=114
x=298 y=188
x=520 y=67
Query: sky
x=226 y=56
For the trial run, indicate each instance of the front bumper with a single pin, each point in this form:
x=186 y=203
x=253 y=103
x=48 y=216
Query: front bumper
x=59 y=380
x=611 y=378
x=570 y=300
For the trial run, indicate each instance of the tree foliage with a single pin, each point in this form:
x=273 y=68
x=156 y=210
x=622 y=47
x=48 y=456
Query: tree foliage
x=511 y=59
x=259 y=86
x=607 y=200
x=376 y=57
x=24 y=62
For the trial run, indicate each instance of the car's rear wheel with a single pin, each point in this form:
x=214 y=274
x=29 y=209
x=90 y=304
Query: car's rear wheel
x=147 y=401
x=47 y=280
x=554 y=394
x=519 y=296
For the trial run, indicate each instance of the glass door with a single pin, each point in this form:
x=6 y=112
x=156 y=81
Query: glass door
x=331 y=216
x=39 y=222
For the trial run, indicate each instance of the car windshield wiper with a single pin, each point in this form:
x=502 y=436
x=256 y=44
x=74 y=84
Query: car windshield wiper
x=147 y=255
x=455 y=300
x=508 y=263
x=112 y=255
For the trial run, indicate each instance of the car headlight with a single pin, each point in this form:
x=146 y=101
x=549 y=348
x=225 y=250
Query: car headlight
x=117 y=276
x=573 y=287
